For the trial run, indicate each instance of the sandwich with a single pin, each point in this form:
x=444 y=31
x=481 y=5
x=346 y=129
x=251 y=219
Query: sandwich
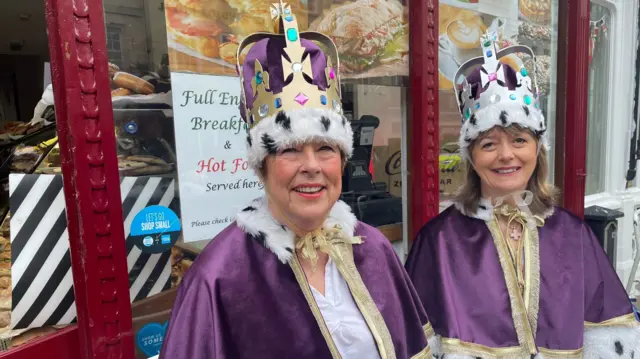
x=255 y=16
x=199 y=25
x=214 y=28
x=367 y=33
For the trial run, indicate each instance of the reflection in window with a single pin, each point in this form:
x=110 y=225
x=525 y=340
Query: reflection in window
x=114 y=47
x=535 y=27
x=598 y=108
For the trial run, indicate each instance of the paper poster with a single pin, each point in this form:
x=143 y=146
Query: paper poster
x=372 y=36
x=214 y=177
x=461 y=30
x=203 y=36
x=506 y=9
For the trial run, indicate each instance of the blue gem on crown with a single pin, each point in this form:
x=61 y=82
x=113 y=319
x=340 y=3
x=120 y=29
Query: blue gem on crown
x=493 y=79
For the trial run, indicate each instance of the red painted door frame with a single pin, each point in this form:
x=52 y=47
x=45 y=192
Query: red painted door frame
x=77 y=44
x=424 y=201
x=87 y=143
x=574 y=77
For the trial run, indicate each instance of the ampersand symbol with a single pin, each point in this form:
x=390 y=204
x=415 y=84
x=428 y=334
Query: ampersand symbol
x=227 y=145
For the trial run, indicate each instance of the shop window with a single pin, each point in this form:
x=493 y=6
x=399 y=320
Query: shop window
x=524 y=22
x=598 y=105
x=176 y=193
x=27 y=136
x=114 y=46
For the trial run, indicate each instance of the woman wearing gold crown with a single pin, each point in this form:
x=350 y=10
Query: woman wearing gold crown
x=296 y=276
x=504 y=273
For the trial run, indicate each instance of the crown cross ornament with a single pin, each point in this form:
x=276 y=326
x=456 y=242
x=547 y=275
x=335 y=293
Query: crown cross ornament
x=299 y=91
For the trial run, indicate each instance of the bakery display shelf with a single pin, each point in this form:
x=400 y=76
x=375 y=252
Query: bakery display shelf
x=144 y=135
x=32 y=139
x=6 y=165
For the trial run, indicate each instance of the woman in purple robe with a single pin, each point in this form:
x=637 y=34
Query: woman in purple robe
x=296 y=275
x=503 y=273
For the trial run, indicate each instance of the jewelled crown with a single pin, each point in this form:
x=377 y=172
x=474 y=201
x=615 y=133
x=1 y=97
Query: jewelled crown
x=495 y=88
x=494 y=93
x=299 y=83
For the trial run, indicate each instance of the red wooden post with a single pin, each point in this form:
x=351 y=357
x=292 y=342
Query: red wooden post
x=577 y=84
x=424 y=112
x=91 y=181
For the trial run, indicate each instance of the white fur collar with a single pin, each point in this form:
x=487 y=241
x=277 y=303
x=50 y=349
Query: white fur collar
x=256 y=220
x=485 y=210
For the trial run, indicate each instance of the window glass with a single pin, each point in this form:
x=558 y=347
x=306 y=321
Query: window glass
x=181 y=141
x=598 y=105
x=532 y=23
x=35 y=283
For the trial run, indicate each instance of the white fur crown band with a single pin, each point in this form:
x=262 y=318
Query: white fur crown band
x=297 y=126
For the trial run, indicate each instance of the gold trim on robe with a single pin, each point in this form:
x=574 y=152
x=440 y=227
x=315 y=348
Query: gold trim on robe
x=428 y=330
x=561 y=354
x=521 y=310
x=301 y=278
x=459 y=347
x=424 y=354
x=628 y=320
x=532 y=265
x=342 y=255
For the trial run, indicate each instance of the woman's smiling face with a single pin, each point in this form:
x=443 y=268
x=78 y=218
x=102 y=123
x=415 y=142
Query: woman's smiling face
x=304 y=182
x=504 y=159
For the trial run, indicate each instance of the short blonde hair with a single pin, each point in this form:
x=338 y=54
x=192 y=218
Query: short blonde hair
x=544 y=193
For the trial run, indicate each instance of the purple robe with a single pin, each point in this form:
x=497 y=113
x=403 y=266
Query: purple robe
x=241 y=299
x=456 y=268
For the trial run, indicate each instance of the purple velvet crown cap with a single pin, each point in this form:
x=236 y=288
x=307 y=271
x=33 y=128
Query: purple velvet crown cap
x=475 y=80
x=269 y=53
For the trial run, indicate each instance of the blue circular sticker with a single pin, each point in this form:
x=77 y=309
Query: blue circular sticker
x=150 y=338
x=131 y=127
x=155 y=229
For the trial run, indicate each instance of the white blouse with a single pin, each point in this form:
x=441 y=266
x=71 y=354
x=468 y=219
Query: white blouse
x=346 y=324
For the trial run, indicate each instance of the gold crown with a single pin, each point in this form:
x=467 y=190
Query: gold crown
x=299 y=93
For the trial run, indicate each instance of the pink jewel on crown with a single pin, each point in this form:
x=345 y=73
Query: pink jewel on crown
x=301 y=98
x=493 y=76
x=332 y=74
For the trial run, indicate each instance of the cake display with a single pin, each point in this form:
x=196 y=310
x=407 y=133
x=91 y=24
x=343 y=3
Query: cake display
x=538 y=11
x=537 y=37
x=543 y=72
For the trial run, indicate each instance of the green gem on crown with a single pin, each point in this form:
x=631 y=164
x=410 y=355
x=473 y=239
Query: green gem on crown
x=292 y=35
x=527 y=99
x=524 y=72
x=487 y=43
